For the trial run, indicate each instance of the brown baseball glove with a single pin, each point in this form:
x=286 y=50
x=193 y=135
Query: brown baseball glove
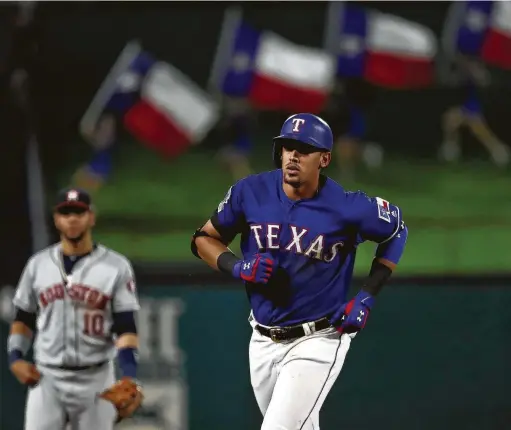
x=126 y=395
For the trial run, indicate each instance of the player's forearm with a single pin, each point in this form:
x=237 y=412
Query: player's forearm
x=128 y=340
x=19 y=341
x=210 y=249
x=386 y=259
x=127 y=354
x=392 y=266
x=20 y=328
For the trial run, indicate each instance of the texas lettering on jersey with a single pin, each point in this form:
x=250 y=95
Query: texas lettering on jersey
x=267 y=238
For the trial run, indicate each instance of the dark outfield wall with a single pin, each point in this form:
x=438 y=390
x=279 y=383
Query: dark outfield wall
x=430 y=358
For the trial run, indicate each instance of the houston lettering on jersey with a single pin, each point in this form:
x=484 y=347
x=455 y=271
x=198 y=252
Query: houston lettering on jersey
x=89 y=296
x=267 y=237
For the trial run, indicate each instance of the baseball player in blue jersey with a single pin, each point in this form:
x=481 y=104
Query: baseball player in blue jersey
x=299 y=235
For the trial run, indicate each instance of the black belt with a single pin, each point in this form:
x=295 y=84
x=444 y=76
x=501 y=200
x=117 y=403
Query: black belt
x=75 y=368
x=280 y=334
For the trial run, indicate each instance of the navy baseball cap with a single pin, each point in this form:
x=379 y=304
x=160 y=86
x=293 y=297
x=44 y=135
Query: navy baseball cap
x=73 y=198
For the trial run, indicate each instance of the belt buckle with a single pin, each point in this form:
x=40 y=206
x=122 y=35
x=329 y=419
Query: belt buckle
x=276 y=331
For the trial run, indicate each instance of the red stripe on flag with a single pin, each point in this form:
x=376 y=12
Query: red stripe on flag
x=497 y=49
x=275 y=94
x=156 y=130
x=395 y=71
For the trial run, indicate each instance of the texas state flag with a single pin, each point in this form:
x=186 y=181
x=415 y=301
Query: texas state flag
x=159 y=105
x=482 y=29
x=383 y=49
x=269 y=70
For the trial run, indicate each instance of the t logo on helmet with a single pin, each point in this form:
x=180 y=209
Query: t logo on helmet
x=297 y=122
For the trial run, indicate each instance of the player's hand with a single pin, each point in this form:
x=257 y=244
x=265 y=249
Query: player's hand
x=257 y=269
x=352 y=316
x=25 y=372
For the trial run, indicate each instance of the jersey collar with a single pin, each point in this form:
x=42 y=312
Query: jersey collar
x=97 y=251
x=283 y=196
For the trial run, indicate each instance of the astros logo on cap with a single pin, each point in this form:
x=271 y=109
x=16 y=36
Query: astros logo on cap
x=72 y=195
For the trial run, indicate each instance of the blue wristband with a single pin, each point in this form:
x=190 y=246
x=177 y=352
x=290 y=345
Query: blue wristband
x=128 y=362
x=15 y=355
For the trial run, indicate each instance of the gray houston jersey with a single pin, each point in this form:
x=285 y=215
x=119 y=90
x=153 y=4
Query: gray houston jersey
x=74 y=313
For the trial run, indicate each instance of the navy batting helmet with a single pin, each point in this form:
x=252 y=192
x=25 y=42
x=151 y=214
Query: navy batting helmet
x=306 y=128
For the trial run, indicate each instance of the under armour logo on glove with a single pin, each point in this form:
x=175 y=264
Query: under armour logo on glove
x=257 y=269
x=352 y=316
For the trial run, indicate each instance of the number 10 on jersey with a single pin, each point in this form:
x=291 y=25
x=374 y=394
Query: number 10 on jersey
x=93 y=324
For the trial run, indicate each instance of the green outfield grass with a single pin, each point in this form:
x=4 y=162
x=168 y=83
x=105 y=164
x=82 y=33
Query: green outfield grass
x=458 y=216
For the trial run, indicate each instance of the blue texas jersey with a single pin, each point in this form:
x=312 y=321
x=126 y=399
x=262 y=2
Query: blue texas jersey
x=313 y=241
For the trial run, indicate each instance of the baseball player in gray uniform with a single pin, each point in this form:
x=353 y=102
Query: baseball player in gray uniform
x=79 y=300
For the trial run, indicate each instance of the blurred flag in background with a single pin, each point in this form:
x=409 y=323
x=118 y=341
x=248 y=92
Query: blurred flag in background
x=158 y=104
x=383 y=49
x=270 y=71
x=481 y=29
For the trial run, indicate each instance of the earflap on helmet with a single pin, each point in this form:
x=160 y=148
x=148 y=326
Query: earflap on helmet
x=277 y=154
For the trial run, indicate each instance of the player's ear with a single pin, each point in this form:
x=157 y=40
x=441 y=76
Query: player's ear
x=92 y=219
x=56 y=219
x=325 y=159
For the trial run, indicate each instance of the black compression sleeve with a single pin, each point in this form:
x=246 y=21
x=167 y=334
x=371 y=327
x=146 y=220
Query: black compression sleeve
x=226 y=261
x=124 y=322
x=377 y=278
x=27 y=318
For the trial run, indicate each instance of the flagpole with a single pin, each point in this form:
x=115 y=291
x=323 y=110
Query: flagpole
x=36 y=197
x=332 y=31
x=232 y=16
x=448 y=41
x=107 y=88
x=451 y=24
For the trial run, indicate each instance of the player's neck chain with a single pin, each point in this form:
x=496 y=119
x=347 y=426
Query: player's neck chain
x=67 y=279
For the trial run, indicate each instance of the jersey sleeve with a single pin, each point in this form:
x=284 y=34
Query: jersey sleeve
x=25 y=297
x=229 y=218
x=378 y=220
x=125 y=293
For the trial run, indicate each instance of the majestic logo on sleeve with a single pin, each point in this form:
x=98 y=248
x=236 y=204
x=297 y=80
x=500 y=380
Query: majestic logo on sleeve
x=297 y=123
x=267 y=236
